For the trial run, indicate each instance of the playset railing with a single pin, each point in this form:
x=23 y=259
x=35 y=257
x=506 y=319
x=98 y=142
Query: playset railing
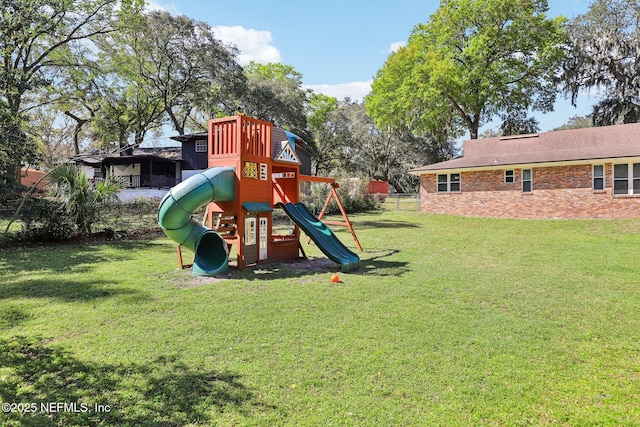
x=239 y=135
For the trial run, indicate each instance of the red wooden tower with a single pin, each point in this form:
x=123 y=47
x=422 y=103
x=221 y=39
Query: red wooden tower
x=267 y=172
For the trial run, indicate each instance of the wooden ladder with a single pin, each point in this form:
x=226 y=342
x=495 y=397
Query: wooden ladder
x=226 y=225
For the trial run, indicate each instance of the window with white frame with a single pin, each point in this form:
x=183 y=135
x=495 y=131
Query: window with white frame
x=626 y=179
x=201 y=146
x=449 y=183
x=509 y=176
x=527 y=181
x=598 y=177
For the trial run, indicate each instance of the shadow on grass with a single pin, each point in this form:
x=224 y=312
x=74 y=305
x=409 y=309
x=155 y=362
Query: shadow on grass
x=165 y=392
x=371 y=263
x=376 y=266
x=384 y=224
x=70 y=257
x=67 y=290
x=56 y=272
x=12 y=315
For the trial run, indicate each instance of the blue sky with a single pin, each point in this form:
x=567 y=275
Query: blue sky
x=337 y=45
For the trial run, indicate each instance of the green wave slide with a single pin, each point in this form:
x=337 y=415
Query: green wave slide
x=322 y=236
x=175 y=217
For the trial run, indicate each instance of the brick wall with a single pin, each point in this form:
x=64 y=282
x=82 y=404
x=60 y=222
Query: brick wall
x=558 y=192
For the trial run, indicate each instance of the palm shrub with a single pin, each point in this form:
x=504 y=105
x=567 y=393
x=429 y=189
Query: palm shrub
x=79 y=197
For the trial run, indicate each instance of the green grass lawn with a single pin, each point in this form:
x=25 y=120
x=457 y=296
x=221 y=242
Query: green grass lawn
x=450 y=321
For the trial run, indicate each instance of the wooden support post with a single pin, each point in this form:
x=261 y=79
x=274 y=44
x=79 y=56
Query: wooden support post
x=304 y=255
x=206 y=216
x=180 y=263
x=346 y=218
x=334 y=194
x=179 y=251
x=326 y=202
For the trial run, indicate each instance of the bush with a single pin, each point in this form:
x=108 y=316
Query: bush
x=353 y=195
x=140 y=214
x=43 y=221
x=10 y=192
x=313 y=195
x=81 y=198
x=354 y=198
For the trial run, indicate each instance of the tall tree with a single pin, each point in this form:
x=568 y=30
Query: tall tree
x=368 y=151
x=54 y=135
x=324 y=132
x=399 y=98
x=418 y=115
x=127 y=112
x=347 y=140
x=129 y=109
x=32 y=37
x=383 y=153
x=164 y=69
x=275 y=94
x=517 y=123
x=604 y=55
x=186 y=67
x=479 y=58
x=576 y=122
x=78 y=92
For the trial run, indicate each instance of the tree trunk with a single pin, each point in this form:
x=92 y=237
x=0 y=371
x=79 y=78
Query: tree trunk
x=76 y=131
x=474 y=126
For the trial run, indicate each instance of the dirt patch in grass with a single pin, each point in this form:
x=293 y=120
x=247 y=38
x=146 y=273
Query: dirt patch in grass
x=292 y=269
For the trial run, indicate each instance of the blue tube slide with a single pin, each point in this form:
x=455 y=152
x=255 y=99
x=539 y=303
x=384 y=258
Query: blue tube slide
x=175 y=217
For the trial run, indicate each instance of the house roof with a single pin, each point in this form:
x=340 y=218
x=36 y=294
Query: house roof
x=595 y=143
x=95 y=158
x=170 y=153
x=199 y=136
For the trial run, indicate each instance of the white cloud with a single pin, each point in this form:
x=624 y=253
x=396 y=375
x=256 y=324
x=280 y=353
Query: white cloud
x=355 y=90
x=395 y=46
x=153 y=5
x=254 y=45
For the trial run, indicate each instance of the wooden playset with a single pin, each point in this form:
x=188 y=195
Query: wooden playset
x=267 y=176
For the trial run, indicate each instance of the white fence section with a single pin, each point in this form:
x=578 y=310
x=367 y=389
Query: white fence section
x=402 y=201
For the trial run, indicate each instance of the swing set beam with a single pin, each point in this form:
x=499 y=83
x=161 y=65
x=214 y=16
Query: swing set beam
x=333 y=194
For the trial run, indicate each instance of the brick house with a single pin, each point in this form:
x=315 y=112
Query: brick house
x=580 y=173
